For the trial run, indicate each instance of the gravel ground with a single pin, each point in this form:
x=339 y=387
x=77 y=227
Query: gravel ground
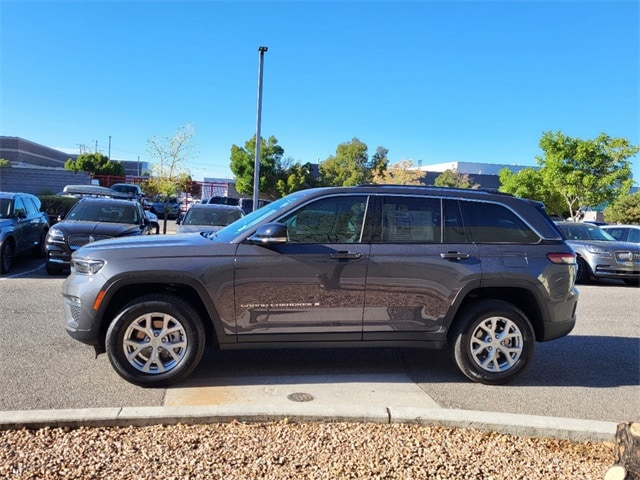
x=285 y=450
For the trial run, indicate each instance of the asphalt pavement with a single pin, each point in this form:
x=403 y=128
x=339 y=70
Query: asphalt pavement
x=392 y=397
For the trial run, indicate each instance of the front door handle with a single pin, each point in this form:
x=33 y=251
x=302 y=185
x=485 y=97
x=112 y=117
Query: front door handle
x=455 y=256
x=343 y=255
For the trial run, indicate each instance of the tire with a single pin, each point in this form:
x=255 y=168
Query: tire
x=137 y=341
x=52 y=269
x=583 y=274
x=7 y=253
x=479 y=352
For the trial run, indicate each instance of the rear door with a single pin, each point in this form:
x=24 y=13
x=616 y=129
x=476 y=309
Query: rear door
x=420 y=260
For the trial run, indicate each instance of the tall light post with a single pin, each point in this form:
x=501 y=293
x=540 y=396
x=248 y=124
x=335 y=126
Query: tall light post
x=256 y=170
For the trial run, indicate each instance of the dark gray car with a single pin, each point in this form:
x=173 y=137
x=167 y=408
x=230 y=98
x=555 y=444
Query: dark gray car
x=23 y=227
x=484 y=275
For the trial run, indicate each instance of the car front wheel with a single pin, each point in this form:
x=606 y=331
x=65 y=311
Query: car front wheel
x=583 y=274
x=493 y=342
x=155 y=341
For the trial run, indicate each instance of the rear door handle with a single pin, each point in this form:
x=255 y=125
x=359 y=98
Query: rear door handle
x=455 y=256
x=343 y=255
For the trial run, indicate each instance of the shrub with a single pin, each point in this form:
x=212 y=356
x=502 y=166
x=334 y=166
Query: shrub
x=55 y=205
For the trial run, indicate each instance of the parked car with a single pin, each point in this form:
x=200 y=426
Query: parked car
x=600 y=255
x=23 y=227
x=172 y=204
x=208 y=218
x=90 y=220
x=624 y=233
x=246 y=204
x=130 y=189
x=484 y=275
x=81 y=191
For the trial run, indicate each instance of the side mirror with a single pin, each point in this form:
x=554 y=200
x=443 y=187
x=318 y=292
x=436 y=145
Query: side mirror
x=270 y=234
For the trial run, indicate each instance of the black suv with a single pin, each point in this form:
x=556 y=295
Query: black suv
x=483 y=274
x=89 y=220
x=23 y=227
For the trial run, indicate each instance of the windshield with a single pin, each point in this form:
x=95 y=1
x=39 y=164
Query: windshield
x=585 y=232
x=104 y=212
x=252 y=220
x=211 y=216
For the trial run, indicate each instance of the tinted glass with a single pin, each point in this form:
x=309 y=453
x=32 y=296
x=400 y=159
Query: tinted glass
x=19 y=208
x=329 y=220
x=493 y=223
x=5 y=208
x=410 y=220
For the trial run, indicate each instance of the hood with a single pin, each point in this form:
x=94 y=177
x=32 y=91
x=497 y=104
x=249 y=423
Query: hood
x=198 y=228
x=605 y=244
x=156 y=246
x=75 y=227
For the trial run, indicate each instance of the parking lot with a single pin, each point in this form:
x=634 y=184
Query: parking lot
x=594 y=373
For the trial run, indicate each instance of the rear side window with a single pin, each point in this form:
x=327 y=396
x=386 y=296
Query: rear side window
x=494 y=223
x=410 y=220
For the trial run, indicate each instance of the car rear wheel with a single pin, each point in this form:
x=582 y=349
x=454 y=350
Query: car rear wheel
x=155 y=341
x=6 y=256
x=493 y=342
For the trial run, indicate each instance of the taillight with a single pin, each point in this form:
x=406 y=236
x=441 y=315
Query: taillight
x=562 y=258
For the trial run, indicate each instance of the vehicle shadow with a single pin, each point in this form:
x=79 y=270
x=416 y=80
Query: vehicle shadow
x=573 y=361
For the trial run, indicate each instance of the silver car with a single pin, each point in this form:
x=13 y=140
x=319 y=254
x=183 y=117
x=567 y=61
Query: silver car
x=208 y=218
x=600 y=255
x=624 y=233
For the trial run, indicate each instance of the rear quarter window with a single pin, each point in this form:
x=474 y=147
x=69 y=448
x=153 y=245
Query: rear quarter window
x=493 y=223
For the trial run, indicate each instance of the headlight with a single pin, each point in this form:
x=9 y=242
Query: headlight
x=598 y=250
x=55 y=234
x=86 y=267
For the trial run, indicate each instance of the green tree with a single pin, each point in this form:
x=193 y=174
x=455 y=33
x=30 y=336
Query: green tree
x=454 y=179
x=402 y=173
x=295 y=177
x=349 y=166
x=586 y=172
x=626 y=209
x=170 y=173
x=530 y=183
x=380 y=162
x=243 y=165
x=5 y=163
x=96 y=164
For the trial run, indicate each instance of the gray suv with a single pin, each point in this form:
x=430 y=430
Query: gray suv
x=482 y=274
x=23 y=227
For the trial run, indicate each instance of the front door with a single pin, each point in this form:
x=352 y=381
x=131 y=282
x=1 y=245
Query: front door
x=312 y=287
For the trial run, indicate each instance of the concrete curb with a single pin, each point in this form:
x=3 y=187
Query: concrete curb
x=513 y=424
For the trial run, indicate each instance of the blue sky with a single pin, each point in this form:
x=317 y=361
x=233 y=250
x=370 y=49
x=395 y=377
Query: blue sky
x=431 y=81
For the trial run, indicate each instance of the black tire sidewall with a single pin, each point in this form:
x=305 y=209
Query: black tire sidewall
x=6 y=250
x=583 y=275
x=173 y=306
x=470 y=319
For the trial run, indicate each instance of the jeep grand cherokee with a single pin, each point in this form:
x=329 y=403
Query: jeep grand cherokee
x=484 y=275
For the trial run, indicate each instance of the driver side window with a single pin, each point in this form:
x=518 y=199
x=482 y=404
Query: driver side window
x=329 y=220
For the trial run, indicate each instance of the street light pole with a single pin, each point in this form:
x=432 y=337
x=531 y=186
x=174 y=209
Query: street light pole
x=256 y=170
